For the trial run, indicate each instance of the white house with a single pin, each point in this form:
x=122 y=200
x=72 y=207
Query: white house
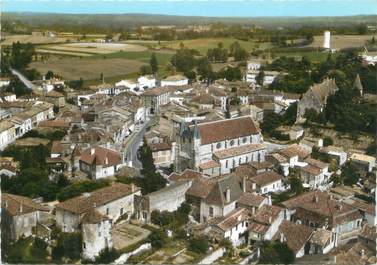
x=231 y=226
x=265 y=224
x=174 y=80
x=266 y=182
x=336 y=152
x=363 y=162
x=98 y=162
x=315 y=174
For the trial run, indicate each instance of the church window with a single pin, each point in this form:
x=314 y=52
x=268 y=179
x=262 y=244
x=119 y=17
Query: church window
x=218 y=145
x=244 y=140
x=231 y=143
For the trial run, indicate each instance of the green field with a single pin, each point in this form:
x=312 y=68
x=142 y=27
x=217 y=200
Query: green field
x=312 y=56
x=202 y=45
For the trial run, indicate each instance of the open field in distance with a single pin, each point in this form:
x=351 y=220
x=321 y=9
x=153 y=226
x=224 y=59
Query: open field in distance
x=73 y=68
x=343 y=41
x=9 y=39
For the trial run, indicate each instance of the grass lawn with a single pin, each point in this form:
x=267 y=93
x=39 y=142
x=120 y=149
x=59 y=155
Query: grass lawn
x=202 y=45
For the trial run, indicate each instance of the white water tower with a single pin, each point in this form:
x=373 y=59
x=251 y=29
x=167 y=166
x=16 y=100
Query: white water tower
x=326 y=39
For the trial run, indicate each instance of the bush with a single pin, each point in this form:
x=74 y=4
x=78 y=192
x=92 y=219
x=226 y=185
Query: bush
x=69 y=245
x=198 y=245
x=327 y=141
x=76 y=189
x=107 y=256
x=158 y=239
x=276 y=253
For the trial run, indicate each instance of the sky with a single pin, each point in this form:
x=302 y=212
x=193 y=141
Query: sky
x=239 y=8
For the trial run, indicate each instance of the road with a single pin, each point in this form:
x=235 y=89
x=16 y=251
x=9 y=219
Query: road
x=23 y=79
x=133 y=145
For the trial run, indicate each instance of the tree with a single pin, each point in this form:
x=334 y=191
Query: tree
x=154 y=63
x=296 y=184
x=349 y=174
x=270 y=122
x=204 y=69
x=152 y=180
x=145 y=70
x=107 y=256
x=68 y=245
x=327 y=141
x=260 y=78
x=49 y=74
x=157 y=238
x=276 y=253
x=198 y=245
x=289 y=116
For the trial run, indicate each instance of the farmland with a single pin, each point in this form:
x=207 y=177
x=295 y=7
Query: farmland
x=9 y=39
x=73 y=68
x=89 y=48
x=343 y=41
x=202 y=45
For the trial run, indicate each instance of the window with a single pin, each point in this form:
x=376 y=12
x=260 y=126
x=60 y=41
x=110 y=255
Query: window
x=121 y=211
x=231 y=143
x=107 y=211
x=99 y=234
x=84 y=245
x=226 y=163
x=244 y=140
x=210 y=211
x=218 y=145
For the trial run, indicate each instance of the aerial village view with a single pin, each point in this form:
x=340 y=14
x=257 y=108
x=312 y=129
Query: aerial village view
x=188 y=132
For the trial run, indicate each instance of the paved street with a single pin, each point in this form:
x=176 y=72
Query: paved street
x=133 y=143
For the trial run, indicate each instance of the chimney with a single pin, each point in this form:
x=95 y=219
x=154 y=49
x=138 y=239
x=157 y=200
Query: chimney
x=92 y=151
x=106 y=160
x=244 y=184
x=362 y=253
x=133 y=187
x=228 y=195
x=269 y=219
x=269 y=199
x=94 y=205
x=6 y=204
x=315 y=199
x=21 y=208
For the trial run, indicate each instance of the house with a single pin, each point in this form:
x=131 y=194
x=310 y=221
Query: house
x=20 y=216
x=256 y=113
x=55 y=98
x=266 y=182
x=318 y=209
x=187 y=174
x=162 y=155
x=296 y=236
x=315 y=174
x=232 y=226
x=322 y=241
x=214 y=197
x=294 y=154
x=265 y=224
x=316 y=97
x=229 y=142
x=291 y=132
x=8 y=170
x=367 y=210
x=252 y=201
x=96 y=234
x=335 y=152
x=174 y=80
x=364 y=163
x=156 y=97
x=168 y=199
x=7 y=133
x=112 y=201
x=98 y=162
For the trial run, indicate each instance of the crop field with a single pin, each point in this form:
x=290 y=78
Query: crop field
x=343 y=41
x=202 y=45
x=73 y=68
x=9 y=39
x=314 y=56
x=89 y=48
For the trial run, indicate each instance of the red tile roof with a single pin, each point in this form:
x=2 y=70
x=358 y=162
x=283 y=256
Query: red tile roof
x=101 y=156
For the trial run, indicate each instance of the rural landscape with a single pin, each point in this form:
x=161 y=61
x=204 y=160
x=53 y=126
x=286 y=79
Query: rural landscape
x=163 y=138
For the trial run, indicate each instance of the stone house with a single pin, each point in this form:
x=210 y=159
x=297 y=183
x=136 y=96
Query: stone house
x=265 y=224
x=263 y=183
x=318 y=209
x=168 y=199
x=363 y=162
x=96 y=235
x=315 y=174
x=162 y=154
x=20 y=216
x=252 y=201
x=232 y=226
x=113 y=201
x=98 y=162
x=316 y=97
x=214 y=197
x=174 y=80
x=335 y=152
x=156 y=97
x=367 y=237
x=296 y=236
x=322 y=241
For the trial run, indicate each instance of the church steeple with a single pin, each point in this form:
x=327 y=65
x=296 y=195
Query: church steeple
x=357 y=84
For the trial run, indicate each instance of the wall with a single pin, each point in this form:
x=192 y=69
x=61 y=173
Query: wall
x=211 y=258
x=96 y=237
